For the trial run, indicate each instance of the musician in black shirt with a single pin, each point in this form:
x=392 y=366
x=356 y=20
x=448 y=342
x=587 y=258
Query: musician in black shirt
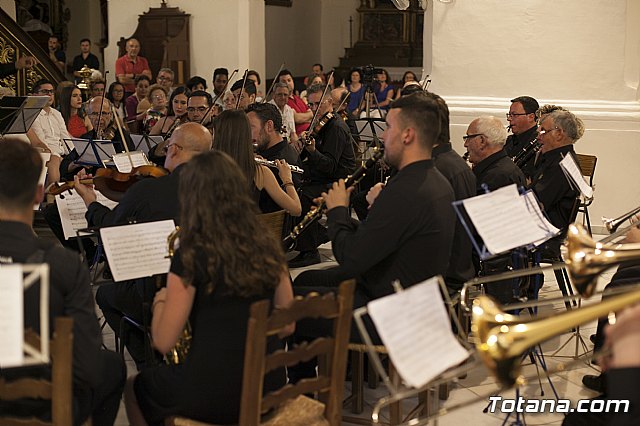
x=522 y=121
x=409 y=231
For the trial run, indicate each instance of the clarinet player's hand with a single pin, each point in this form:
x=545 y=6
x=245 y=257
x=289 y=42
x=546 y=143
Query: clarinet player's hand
x=338 y=195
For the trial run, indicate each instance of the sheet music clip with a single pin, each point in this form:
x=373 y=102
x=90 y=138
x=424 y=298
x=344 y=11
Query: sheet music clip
x=17 y=113
x=91 y=152
x=29 y=275
x=519 y=218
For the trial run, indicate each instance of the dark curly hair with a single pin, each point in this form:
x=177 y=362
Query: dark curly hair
x=219 y=223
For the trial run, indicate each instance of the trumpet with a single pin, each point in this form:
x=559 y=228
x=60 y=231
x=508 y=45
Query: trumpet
x=612 y=225
x=178 y=354
x=273 y=165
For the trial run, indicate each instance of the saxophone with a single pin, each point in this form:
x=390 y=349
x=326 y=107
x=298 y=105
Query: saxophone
x=178 y=354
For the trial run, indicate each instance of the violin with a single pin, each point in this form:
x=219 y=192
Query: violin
x=110 y=182
x=307 y=137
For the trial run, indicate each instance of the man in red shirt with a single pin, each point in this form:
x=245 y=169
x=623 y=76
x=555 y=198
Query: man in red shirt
x=302 y=115
x=130 y=65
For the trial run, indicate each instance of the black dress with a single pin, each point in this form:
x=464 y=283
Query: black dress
x=209 y=384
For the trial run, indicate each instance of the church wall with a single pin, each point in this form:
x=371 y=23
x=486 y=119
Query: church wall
x=223 y=33
x=9 y=6
x=85 y=22
x=581 y=54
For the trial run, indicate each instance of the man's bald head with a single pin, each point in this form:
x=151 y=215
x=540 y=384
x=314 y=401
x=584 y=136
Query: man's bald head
x=337 y=97
x=187 y=140
x=96 y=102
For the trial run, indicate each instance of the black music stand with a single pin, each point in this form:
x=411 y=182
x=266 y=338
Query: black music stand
x=17 y=113
x=91 y=152
x=144 y=142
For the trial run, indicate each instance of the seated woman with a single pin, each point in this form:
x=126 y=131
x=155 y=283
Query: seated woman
x=232 y=135
x=224 y=263
x=137 y=104
x=384 y=92
x=313 y=79
x=408 y=76
x=177 y=110
x=71 y=109
x=116 y=95
x=158 y=98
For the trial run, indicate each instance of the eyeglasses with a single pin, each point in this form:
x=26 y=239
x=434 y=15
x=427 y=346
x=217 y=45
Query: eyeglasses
x=543 y=132
x=97 y=114
x=165 y=78
x=166 y=148
x=515 y=114
x=467 y=137
x=159 y=97
x=46 y=92
x=199 y=109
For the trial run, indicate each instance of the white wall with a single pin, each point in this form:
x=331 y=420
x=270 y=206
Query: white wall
x=223 y=33
x=308 y=32
x=582 y=54
x=85 y=22
x=9 y=6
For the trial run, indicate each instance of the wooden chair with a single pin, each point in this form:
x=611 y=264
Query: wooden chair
x=289 y=405
x=587 y=165
x=58 y=389
x=273 y=222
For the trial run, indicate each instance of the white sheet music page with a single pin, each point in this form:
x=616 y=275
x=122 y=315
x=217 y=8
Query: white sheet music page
x=572 y=170
x=139 y=250
x=11 y=316
x=124 y=165
x=414 y=326
x=538 y=217
x=502 y=219
x=72 y=210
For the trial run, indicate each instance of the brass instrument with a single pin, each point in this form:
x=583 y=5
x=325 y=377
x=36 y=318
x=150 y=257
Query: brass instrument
x=314 y=215
x=178 y=354
x=612 y=225
x=272 y=164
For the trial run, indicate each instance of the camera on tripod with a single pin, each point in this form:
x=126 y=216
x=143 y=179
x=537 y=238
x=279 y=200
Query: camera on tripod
x=369 y=74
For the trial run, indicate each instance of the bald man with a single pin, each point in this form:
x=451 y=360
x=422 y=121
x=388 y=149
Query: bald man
x=150 y=200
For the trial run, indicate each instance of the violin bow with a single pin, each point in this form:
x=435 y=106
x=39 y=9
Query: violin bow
x=244 y=81
x=273 y=83
x=213 y=102
x=124 y=141
x=99 y=132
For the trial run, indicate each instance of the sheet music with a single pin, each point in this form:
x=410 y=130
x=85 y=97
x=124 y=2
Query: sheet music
x=137 y=251
x=502 y=219
x=11 y=316
x=572 y=170
x=538 y=217
x=124 y=165
x=414 y=326
x=72 y=210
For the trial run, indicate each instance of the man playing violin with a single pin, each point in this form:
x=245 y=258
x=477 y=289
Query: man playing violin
x=326 y=157
x=199 y=109
x=246 y=91
x=148 y=200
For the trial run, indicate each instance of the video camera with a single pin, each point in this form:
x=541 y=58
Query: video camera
x=369 y=74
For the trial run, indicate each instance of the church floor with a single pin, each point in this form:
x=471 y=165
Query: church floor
x=567 y=384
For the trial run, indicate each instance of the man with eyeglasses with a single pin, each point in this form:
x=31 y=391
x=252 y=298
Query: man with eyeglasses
x=281 y=94
x=199 y=109
x=522 y=122
x=165 y=79
x=149 y=200
x=245 y=91
x=326 y=158
x=50 y=129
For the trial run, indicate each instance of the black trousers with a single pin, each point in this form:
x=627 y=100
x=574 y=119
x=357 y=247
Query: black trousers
x=313 y=236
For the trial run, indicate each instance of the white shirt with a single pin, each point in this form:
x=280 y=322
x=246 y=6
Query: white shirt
x=50 y=128
x=287 y=119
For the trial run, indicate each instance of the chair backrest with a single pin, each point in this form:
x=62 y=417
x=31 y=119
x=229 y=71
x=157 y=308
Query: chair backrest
x=273 y=222
x=332 y=349
x=58 y=389
x=587 y=165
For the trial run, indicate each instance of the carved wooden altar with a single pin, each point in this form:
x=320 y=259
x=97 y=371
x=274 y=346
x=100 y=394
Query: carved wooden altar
x=163 y=33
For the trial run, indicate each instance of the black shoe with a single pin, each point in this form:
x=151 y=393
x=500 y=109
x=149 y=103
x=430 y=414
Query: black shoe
x=593 y=338
x=305 y=258
x=595 y=383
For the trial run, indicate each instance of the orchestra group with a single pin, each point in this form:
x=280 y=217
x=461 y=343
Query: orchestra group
x=226 y=156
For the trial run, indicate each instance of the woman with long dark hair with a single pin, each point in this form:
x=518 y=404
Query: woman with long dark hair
x=224 y=263
x=71 y=109
x=177 y=110
x=232 y=135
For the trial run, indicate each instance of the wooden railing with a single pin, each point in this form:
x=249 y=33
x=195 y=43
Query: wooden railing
x=15 y=42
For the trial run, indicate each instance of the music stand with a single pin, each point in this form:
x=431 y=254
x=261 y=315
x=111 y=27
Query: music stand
x=17 y=113
x=145 y=142
x=94 y=153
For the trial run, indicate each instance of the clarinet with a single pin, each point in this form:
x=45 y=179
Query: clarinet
x=527 y=152
x=314 y=215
